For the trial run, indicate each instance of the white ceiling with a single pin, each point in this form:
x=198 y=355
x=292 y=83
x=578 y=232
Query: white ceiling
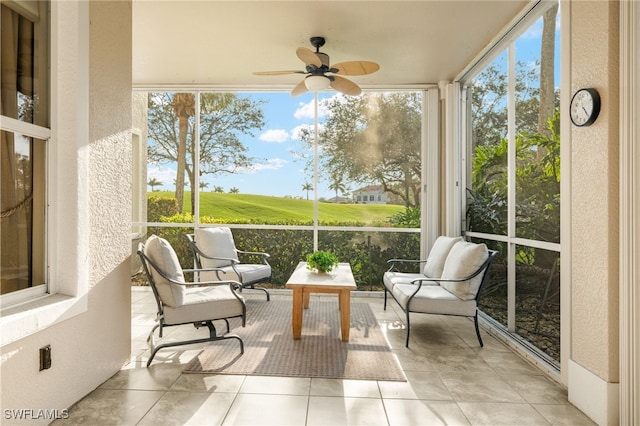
x=220 y=43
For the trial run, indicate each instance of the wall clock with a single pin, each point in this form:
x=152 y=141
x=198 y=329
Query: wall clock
x=585 y=107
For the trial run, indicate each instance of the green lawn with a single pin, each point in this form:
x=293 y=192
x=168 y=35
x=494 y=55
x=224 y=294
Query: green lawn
x=279 y=210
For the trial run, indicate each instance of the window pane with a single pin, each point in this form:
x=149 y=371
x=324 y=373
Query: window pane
x=370 y=156
x=171 y=118
x=538 y=299
x=25 y=66
x=538 y=132
x=24 y=96
x=493 y=299
x=487 y=194
x=22 y=206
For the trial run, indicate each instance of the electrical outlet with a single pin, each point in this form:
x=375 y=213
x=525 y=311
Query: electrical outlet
x=45 y=357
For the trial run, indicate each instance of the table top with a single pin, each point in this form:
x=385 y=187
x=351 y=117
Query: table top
x=341 y=277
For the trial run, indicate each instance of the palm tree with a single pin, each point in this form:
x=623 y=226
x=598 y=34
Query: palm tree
x=234 y=190
x=153 y=182
x=203 y=185
x=218 y=188
x=338 y=185
x=184 y=106
x=307 y=187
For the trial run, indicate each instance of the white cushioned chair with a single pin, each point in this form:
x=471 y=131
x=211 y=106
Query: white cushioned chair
x=215 y=248
x=449 y=284
x=180 y=302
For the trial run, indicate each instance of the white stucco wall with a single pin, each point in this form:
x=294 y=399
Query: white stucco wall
x=91 y=209
x=594 y=353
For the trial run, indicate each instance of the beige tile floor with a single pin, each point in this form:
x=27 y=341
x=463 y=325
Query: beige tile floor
x=451 y=380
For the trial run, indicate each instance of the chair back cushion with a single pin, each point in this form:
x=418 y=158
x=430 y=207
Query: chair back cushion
x=438 y=255
x=463 y=260
x=160 y=252
x=215 y=242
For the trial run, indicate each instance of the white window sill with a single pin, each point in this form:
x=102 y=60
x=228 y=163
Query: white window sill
x=18 y=322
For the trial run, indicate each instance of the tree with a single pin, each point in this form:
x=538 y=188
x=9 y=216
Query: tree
x=547 y=54
x=224 y=118
x=374 y=137
x=203 y=185
x=234 y=190
x=217 y=188
x=184 y=106
x=153 y=182
x=307 y=187
x=338 y=185
x=489 y=101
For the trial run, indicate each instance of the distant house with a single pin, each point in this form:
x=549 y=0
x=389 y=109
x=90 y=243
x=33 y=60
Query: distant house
x=371 y=194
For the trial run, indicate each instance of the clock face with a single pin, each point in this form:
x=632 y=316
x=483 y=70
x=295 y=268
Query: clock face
x=585 y=106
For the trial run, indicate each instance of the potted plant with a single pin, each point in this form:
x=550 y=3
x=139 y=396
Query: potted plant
x=322 y=261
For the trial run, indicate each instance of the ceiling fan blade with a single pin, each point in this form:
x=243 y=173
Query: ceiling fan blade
x=308 y=57
x=345 y=86
x=356 y=67
x=283 y=72
x=299 y=89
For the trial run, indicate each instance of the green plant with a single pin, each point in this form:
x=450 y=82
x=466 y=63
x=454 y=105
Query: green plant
x=323 y=261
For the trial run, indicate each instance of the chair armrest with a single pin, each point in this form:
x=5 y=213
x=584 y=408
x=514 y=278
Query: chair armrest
x=263 y=255
x=198 y=270
x=258 y=253
x=483 y=268
x=201 y=283
x=235 y=285
x=226 y=259
x=394 y=261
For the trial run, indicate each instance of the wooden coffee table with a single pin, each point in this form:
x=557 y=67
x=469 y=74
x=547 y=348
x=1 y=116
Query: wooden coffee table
x=303 y=281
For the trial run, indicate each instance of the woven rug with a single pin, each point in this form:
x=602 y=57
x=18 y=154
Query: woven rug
x=271 y=351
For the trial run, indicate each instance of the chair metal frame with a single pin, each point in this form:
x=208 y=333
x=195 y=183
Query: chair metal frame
x=161 y=324
x=197 y=253
x=483 y=269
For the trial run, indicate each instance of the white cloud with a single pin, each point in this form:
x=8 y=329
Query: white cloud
x=271 y=164
x=275 y=135
x=307 y=111
x=296 y=131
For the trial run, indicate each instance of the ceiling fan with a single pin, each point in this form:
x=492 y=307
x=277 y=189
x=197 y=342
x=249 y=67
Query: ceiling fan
x=321 y=75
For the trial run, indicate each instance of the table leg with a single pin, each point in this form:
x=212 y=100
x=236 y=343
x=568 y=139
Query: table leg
x=296 y=314
x=345 y=315
x=306 y=296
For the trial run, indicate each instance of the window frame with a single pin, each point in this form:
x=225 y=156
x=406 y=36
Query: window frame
x=505 y=41
x=38 y=13
x=67 y=164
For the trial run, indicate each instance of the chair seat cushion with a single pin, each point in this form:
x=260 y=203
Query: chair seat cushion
x=438 y=255
x=254 y=273
x=433 y=299
x=251 y=273
x=390 y=279
x=204 y=303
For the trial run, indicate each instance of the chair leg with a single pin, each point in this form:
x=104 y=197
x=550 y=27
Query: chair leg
x=253 y=287
x=212 y=337
x=267 y=292
x=408 y=329
x=385 y=298
x=475 y=320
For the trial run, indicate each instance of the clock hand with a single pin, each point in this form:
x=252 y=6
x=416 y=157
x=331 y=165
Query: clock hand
x=585 y=110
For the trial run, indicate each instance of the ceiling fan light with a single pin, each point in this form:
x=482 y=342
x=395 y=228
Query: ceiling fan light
x=316 y=83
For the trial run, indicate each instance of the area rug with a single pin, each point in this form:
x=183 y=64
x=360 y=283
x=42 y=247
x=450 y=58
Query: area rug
x=271 y=351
